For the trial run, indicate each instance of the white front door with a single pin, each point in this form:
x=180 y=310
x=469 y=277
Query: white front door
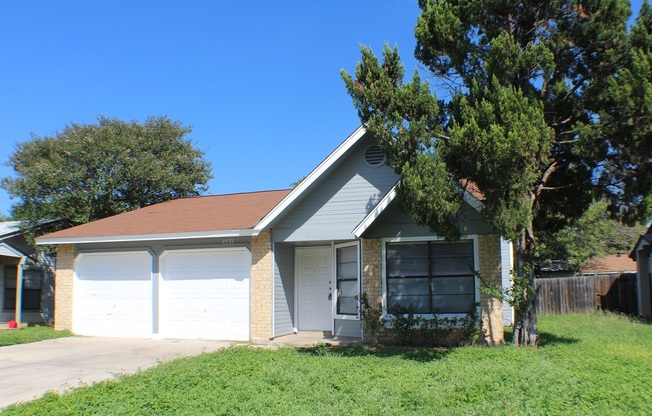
x=314 y=282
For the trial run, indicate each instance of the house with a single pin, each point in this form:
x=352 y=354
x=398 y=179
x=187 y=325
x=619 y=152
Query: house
x=641 y=255
x=26 y=278
x=613 y=263
x=609 y=264
x=260 y=265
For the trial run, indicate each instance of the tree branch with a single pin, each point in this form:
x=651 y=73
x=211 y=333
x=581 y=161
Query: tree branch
x=546 y=175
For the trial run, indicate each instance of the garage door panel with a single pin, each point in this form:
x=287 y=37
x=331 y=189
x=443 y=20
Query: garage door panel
x=113 y=294
x=205 y=293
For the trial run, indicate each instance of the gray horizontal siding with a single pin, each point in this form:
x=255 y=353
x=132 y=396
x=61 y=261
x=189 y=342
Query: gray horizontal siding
x=283 y=289
x=334 y=206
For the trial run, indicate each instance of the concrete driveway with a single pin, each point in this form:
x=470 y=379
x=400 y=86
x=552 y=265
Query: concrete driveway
x=28 y=371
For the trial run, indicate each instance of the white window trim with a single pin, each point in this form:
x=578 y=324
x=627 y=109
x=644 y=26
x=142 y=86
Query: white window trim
x=384 y=241
x=355 y=317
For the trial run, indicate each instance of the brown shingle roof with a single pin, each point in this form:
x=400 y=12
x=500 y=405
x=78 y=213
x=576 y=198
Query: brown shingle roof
x=472 y=188
x=184 y=215
x=612 y=263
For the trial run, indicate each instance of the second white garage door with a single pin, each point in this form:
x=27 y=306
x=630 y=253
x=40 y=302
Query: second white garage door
x=204 y=293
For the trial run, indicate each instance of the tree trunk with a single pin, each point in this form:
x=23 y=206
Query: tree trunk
x=525 y=322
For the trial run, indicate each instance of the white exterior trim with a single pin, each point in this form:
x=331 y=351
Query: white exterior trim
x=151 y=237
x=506 y=266
x=9 y=251
x=336 y=294
x=310 y=179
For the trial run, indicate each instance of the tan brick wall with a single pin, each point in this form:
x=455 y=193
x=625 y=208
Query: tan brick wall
x=372 y=273
x=63 y=282
x=492 y=308
x=262 y=284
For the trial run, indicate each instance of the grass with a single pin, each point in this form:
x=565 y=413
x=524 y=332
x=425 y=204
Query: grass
x=29 y=334
x=586 y=364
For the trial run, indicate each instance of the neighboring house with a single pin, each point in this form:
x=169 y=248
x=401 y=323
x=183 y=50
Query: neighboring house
x=614 y=263
x=260 y=265
x=641 y=255
x=26 y=278
x=610 y=264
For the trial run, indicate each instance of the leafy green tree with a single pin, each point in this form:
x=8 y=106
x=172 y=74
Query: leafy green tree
x=594 y=234
x=548 y=107
x=90 y=171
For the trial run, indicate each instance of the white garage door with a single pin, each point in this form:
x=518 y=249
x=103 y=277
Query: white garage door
x=204 y=293
x=113 y=294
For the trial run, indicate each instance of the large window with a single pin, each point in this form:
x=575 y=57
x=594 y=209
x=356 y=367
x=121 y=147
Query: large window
x=32 y=282
x=347 y=280
x=433 y=277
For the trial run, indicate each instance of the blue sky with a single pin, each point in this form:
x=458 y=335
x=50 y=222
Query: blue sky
x=258 y=81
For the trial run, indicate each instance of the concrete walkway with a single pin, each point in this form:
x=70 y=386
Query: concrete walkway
x=28 y=371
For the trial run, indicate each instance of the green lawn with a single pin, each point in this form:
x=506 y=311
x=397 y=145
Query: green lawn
x=30 y=334
x=587 y=364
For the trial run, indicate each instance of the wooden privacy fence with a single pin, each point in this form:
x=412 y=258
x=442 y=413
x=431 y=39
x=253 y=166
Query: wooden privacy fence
x=614 y=292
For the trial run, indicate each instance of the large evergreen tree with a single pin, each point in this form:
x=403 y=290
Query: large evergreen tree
x=90 y=171
x=550 y=108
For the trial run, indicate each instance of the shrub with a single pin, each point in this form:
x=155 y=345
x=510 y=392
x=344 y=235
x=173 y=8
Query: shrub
x=402 y=326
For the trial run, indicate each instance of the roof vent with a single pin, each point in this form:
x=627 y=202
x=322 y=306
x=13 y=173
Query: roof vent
x=374 y=156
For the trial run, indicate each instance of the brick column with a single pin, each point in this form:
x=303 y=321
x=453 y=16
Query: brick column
x=492 y=308
x=63 y=282
x=262 y=284
x=372 y=270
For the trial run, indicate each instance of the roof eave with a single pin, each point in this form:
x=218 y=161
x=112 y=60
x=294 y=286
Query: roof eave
x=11 y=250
x=248 y=232
x=643 y=240
x=360 y=229
x=375 y=213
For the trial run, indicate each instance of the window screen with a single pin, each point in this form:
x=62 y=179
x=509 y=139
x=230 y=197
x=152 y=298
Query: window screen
x=32 y=281
x=432 y=277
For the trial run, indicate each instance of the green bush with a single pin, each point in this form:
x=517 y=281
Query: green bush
x=402 y=326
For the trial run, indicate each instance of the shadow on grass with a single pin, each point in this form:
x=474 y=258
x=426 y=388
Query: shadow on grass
x=415 y=354
x=545 y=339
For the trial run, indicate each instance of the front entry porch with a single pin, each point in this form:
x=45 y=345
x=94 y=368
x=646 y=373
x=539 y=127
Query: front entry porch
x=316 y=291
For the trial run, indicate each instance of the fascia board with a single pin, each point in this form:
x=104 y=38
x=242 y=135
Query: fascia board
x=149 y=237
x=11 y=251
x=311 y=178
x=643 y=240
x=473 y=201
